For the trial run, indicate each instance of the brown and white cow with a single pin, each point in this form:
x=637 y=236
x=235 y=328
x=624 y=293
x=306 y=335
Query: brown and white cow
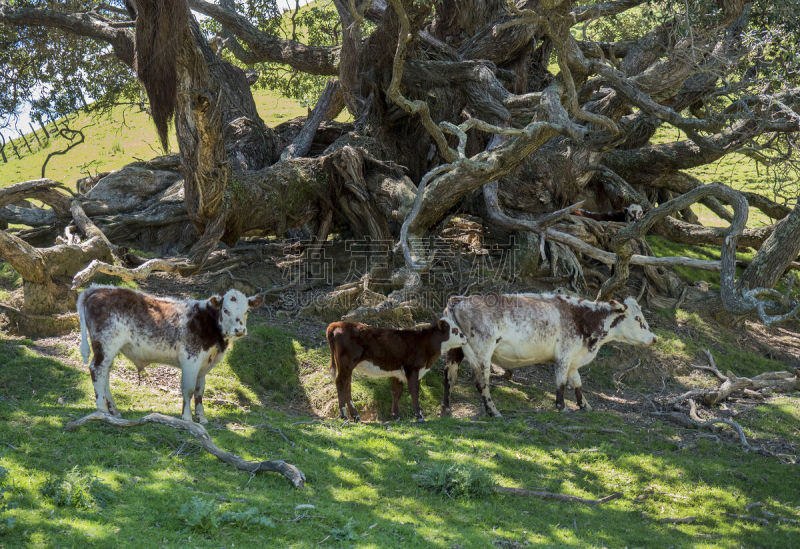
x=193 y=335
x=403 y=355
x=524 y=329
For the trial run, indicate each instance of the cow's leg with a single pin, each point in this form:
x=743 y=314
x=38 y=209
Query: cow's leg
x=481 y=368
x=100 y=368
x=189 y=374
x=199 y=389
x=344 y=381
x=575 y=381
x=561 y=384
x=450 y=375
x=482 y=385
x=140 y=366
x=413 y=389
x=341 y=392
x=397 y=391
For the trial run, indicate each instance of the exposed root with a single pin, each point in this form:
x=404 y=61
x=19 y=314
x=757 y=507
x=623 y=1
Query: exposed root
x=295 y=475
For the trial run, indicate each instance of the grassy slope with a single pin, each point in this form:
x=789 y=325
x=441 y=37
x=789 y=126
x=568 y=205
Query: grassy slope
x=660 y=470
x=360 y=476
x=114 y=141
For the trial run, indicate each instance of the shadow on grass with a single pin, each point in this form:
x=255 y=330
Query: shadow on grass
x=360 y=477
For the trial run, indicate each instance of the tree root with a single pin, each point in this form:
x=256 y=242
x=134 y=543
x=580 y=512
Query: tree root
x=553 y=495
x=35 y=325
x=295 y=475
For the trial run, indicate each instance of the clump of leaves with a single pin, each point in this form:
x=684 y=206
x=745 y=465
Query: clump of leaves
x=346 y=532
x=6 y=522
x=76 y=489
x=249 y=517
x=205 y=516
x=456 y=480
x=200 y=514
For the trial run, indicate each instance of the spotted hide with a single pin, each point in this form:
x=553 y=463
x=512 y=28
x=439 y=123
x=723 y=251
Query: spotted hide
x=193 y=335
x=523 y=329
x=403 y=355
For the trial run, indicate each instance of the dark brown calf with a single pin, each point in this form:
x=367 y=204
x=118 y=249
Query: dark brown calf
x=403 y=355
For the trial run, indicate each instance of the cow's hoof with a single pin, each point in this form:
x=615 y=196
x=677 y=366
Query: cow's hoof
x=395 y=417
x=356 y=419
x=202 y=421
x=586 y=407
x=420 y=419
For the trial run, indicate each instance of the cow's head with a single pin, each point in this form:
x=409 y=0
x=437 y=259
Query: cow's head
x=452 y=336
x=631 y=326
x=233 y=307
x=634 y=212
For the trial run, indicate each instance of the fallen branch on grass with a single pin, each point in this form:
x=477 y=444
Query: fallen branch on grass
x=295 y=475
x=553 y=495
x=680 y=520
x=693 y=421
x=781 y=382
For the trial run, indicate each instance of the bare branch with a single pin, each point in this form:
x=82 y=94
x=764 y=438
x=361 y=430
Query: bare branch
x=295 y=475
x=302 y=142
x=552 y=495
x=265 y=47
x=83 y=24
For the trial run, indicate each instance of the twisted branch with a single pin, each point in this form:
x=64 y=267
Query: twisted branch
x=295 y=475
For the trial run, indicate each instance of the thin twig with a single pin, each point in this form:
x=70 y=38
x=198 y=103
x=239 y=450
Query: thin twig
x=553 y=495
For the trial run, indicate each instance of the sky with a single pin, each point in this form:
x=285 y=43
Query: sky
x=23 y=117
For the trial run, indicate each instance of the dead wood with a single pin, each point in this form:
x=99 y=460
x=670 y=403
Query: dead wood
x=553 y=495
x=746 y=517
x=302 y=142
x=693 y=421
x=295 y=475
x=764 y=383
x=141 y=272
x=677 y=520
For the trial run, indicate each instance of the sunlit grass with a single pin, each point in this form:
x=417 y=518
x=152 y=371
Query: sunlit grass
x=126 y=135
x=361 y=476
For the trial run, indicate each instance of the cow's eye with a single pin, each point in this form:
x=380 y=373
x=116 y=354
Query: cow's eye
x=225 y=311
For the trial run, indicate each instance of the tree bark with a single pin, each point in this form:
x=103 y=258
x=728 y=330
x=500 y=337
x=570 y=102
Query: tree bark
x=777 y=252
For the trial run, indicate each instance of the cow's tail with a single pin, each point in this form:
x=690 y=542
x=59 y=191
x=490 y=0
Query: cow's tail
x=329 y=336
x=84 y=336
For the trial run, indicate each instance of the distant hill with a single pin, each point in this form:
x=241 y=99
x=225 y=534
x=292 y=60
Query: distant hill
x=113 y=141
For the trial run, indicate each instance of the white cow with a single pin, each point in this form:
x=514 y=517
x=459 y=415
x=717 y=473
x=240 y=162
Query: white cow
x=193 y=335
x=523 y=329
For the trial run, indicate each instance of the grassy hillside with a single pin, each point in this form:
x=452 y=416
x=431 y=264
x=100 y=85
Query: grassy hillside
x=152 y=486
x=111 y=142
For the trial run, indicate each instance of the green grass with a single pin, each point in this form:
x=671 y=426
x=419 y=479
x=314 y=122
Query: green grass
x=398 y=484
x=113 y=141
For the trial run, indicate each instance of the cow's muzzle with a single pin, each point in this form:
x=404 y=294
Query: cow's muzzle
x=240 y=332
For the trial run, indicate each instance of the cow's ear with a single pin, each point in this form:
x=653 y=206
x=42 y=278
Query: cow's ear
x=215 y=301
x=443 y=324
x=255 y=301
x=617 y=306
